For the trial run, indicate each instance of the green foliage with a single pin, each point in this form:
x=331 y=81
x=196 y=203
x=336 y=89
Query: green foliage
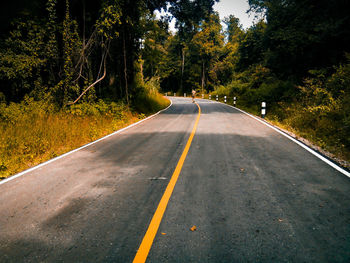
x=189 y=14
x=223 y=69
x=326 y=103
x=304 y=35
x=317 y=110
x=22 y=58
x=154 y=51
x=208 y=41
x=52 y=46
x=109 y=18
x=252 y=46
x=234 y=30
x=148 y=99
x=100 y=108
x=34 y=131
x=25 y=111
x=66 y=90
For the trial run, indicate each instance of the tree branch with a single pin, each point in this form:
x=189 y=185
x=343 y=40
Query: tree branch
x=104 y=58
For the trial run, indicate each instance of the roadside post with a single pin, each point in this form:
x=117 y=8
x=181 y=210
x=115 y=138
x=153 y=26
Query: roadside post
x=210 y=97
x=225 y=99
x=166 y=94
x=234 y=101
x=202 y=96
x=185 y=95
x=174 y=94
x=263 y=109
x=217 y=97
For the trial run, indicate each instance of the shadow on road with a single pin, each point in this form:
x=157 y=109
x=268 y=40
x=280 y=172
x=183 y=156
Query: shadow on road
x=270 y=199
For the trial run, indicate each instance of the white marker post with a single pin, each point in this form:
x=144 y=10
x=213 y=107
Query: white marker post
x=202 y=96
x=217 y=97
x=225 y=99
x=174 y=94
x=234 y=101
x=263 y=109
x=210 y=97
x=166 y=94
x=185 y=95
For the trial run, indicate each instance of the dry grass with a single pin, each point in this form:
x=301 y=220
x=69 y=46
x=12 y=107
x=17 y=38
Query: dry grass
x=26 y=144
x=323 y=136
x=33 y=132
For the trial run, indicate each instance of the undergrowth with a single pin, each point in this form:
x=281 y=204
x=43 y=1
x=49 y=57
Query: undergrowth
x=32 y=132
x=318 y=110
x=148 y=98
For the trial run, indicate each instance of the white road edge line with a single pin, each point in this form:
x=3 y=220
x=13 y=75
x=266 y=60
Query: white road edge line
x=330 y=163
x=82 y=147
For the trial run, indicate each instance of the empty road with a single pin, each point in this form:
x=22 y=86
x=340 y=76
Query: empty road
x=252 y=194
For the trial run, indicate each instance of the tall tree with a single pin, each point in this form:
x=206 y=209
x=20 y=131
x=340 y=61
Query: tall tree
x=252 y=46
x=224 y=69
x=188 y=14
x=153 y=50
x=304 y=34
x=208 y=42
x=234 y=29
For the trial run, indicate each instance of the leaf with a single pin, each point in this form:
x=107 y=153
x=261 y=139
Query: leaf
x=193 y=228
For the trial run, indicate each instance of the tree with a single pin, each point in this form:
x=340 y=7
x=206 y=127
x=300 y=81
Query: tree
x=252 y=46
x=224 y=69
x=208 y=42
x=234 y=29
x=305 y=34
x=189 y=15
x=153 y=51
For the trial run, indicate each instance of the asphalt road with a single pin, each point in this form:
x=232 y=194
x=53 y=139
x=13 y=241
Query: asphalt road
x=253 y=195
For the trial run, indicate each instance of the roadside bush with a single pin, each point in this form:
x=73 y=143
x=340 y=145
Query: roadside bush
x=114 y=110
x=318 y=110
x=148 y=99
x=34 y=131
x=321 y=112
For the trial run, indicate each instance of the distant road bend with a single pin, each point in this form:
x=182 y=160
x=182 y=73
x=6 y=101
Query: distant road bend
x=252 y=194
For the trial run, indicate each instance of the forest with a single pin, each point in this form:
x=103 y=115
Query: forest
x=72 y=71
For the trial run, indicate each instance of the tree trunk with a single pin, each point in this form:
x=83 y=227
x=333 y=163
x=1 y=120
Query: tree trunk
x=125 y=70
x=203 y=76
x=99 y=79
x=182 y=68
x=141 y=70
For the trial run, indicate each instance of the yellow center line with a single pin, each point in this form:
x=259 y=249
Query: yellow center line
x=152 y=230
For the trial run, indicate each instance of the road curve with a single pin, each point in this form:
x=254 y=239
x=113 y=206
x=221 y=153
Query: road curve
x=253 y=195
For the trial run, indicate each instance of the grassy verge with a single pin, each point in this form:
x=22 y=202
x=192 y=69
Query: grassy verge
x=325 y=131
x=32 y=132
x=148 y=99
x=321 y=132
x=318 y=109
